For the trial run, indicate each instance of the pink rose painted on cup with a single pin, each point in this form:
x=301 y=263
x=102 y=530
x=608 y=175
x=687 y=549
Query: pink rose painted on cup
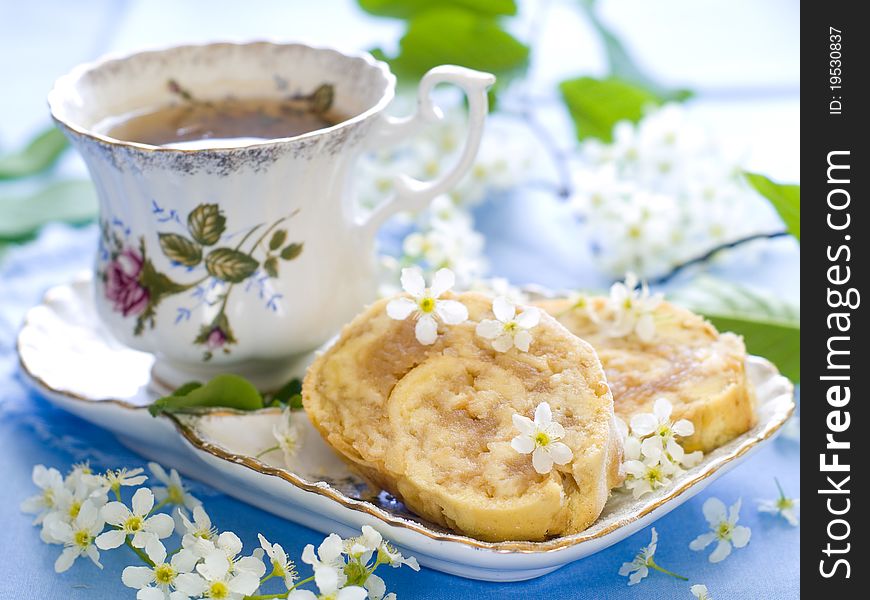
x=216 y=339
x=123 y=289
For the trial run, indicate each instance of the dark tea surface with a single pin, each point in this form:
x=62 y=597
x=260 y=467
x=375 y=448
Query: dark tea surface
x=257 y=118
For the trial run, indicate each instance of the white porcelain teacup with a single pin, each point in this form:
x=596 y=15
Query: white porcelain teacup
x=243 y=257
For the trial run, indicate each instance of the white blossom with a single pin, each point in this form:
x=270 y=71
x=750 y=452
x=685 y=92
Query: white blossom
x=286 y=432
x=508 y=329
x=50 y=482
x=629 y=310
x=643 y=561
x=214 y=579
x=158 y=582
x=700 y=592
x=647 y=475
x=172 y=491
x=783 y=506
x=425 y=304
x=638 y=568
x=282 y=566
x=82 y=479
x=328 y=556
x=136 y=522
x=199 y=534
x=541 y=439
x=660 y=433
x=123 y=477
x=78 y=536
x=362 y=547
x=230 y=545
x=329 y=583
x=389 y=554
x=724 y=530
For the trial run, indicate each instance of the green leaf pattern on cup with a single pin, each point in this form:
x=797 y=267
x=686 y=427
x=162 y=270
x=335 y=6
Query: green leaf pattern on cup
x=206 y=224
x=135 y=287
x=232 y=266
x=180 y=249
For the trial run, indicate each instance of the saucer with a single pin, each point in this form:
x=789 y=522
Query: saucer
x=72 y=360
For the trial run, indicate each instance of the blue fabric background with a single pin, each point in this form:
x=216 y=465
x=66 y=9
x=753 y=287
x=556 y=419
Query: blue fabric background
x=529 y=239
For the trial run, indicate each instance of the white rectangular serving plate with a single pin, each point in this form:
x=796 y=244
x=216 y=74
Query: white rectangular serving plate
x=68 y=358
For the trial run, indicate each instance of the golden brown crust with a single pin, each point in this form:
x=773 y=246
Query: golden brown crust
x=432 y=424
x=699 y=370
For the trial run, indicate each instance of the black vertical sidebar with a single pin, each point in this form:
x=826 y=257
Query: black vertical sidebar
x=835 y=56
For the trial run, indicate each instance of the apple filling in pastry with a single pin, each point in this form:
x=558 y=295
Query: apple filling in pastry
x=435 y=424
x=683 y=359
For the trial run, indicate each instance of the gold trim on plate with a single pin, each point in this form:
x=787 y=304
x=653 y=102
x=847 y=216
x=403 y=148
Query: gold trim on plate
x=525 y=547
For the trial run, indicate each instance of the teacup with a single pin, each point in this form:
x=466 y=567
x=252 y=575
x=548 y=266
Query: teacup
x=243 y=257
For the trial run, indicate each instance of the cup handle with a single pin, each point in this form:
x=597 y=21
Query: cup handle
x=413 y=194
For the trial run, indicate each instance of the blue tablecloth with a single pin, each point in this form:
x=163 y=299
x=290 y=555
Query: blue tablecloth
x=32 y=431
x=42 y=40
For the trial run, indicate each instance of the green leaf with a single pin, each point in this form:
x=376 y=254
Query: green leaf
x=37 y=156
x=69 y=201
x=206 y=224
x=770 y=327
x=278 y=239
x=290 y=394
x=786 y=199
x=186 y=388
x=226 y=391
x=622 y=65
x=180 y=249
x=291 y=251
x=232 y=266
x=405 y=9
x=271 y=266
x=447 y=35
x=596 y=105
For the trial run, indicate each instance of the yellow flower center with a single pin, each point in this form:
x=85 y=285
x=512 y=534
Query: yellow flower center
x=653 y=475
x=278 y=568
x=174 y=495
x=164 y=574
x=356 y=573
x=510 y=326
x=723 y=531
x=635 y=232
x=48 y=497
x=74 y=509
x=784 y=503
x=134 y=524
x=542 y=439
x=82 y=538
x=218 y=589
x=627 y=304
x=427 y=304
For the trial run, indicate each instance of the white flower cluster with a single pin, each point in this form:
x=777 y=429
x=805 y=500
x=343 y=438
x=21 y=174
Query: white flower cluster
x=652 y=453
x=629 y=310
x=74 y=511
x=426 y=306
x=663 y=193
